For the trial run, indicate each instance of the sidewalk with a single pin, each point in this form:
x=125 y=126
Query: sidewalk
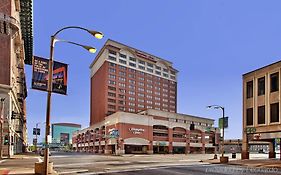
x=21 y=164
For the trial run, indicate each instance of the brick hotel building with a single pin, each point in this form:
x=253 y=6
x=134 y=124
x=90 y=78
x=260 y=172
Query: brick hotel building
x=126 y=79
x=135 y=93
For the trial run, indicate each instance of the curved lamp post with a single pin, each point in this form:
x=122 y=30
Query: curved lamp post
x=97 y=35
x=222 y=108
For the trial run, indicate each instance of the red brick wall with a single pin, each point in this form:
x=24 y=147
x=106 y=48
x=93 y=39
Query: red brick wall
x=98 y=95
x=5 y=7
x=5 y=43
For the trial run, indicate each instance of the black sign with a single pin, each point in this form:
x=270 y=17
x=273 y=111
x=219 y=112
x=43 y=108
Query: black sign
x=36 y=131
x=40 y=75
x=34 y=141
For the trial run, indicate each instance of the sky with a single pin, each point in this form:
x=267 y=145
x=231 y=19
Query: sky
x=211 y=43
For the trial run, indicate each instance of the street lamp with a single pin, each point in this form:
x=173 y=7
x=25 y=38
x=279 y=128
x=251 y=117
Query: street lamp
x=222 y=108
x=97 y=35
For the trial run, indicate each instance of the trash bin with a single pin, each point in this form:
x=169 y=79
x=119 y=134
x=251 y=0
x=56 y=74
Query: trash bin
x=233 y=155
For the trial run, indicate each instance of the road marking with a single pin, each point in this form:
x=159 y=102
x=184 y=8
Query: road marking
x=1 y=161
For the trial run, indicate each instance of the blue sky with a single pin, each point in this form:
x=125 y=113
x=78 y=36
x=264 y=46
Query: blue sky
x=211 y=43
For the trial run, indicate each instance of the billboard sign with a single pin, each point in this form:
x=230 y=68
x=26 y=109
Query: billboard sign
x=40 y=75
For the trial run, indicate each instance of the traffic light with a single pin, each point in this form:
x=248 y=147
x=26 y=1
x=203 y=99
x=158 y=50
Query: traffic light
x=6 y=140
x=191 y=126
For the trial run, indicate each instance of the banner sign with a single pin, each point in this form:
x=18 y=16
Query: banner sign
x=40 y=75
x=225 y=122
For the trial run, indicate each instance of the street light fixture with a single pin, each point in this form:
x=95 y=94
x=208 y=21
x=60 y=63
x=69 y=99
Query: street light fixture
x=97 y=35
x=222 y=108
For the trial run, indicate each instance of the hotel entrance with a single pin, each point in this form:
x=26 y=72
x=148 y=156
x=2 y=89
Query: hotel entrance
x=136 y=149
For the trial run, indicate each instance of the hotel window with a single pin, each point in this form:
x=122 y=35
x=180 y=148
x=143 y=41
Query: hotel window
x=149 y=81
x=149 y=86
x=149 y=96
x=157 y=108
x=122 y=85
x=173 y=72
x=122 y=61
x=164 y=105
x=121 y=102
x=166 y=110
x=111 y=100
x=111 y=94
x=158 y=104
x=132 y=81
x=149 y=76
x=122 y=55
x=261 y=115
x=121 y=108
x=172 y=107
x=141 y=62
x=157 y=88
x=121 y=96
x=131 y=98
x=112 y=70
x=132 y=64
x=149 y=70
x=249 y=117
x=122 y=90
x=249 y=90
x=112 y=64
x=131 y=92
x=131 y=110
x=165 y=70
x=140 y=105
x=274 y=82
x=111 y=88
x=142 y=67
x=158 y=67
x=112 y=52
x=165 y=85
x=141 y=100
x=141 y=89
x=132 y=104
x=141 y=73
x=165 y=90
x=122 y=67
x=172 y=92
x=165 y=100
x=261 y=86
x=122 y=73
x=157 y=98
x=132 y=86
x=111 y=106
x=165 y=75
x=157 y=93
x=141 y=78
x=132 y=59
x=149 y=65
x=274 y=112
x=132 y=76
x=157 y=83
x=112 y=58
x=158 y=73
x=149 y=107
x=141 y=84
x=149 y=91
x=140 y=95
x=111 y=82
x=149 y=102
x=111 y=76
x=165 y=95
x=122 y=79
x=132 y=70
x=173 y=77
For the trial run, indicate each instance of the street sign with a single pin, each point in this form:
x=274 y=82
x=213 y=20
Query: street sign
x=36 y=131
x=40 y=75
x=34 y=141
x=225 y=122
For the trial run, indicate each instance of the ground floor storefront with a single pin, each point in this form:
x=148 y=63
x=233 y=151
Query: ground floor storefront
x=127 y=133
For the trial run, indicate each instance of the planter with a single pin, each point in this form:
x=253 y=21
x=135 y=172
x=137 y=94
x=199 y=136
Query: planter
x=39 y=168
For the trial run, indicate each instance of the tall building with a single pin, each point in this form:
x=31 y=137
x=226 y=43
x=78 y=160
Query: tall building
x=127 y=79
x=62 y=132
x=261 y=107
x=16 y=45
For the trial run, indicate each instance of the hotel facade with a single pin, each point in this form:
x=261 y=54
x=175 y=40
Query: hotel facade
x=150 y=131
x=261 y=107
x=134 y=105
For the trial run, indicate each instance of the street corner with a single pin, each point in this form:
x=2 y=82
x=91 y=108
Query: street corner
x=4 y=171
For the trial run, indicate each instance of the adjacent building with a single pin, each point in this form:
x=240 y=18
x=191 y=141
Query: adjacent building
x=16 y=46
x=150 y=131
x=261 y=107
x=62 y=132
x=129 y=80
